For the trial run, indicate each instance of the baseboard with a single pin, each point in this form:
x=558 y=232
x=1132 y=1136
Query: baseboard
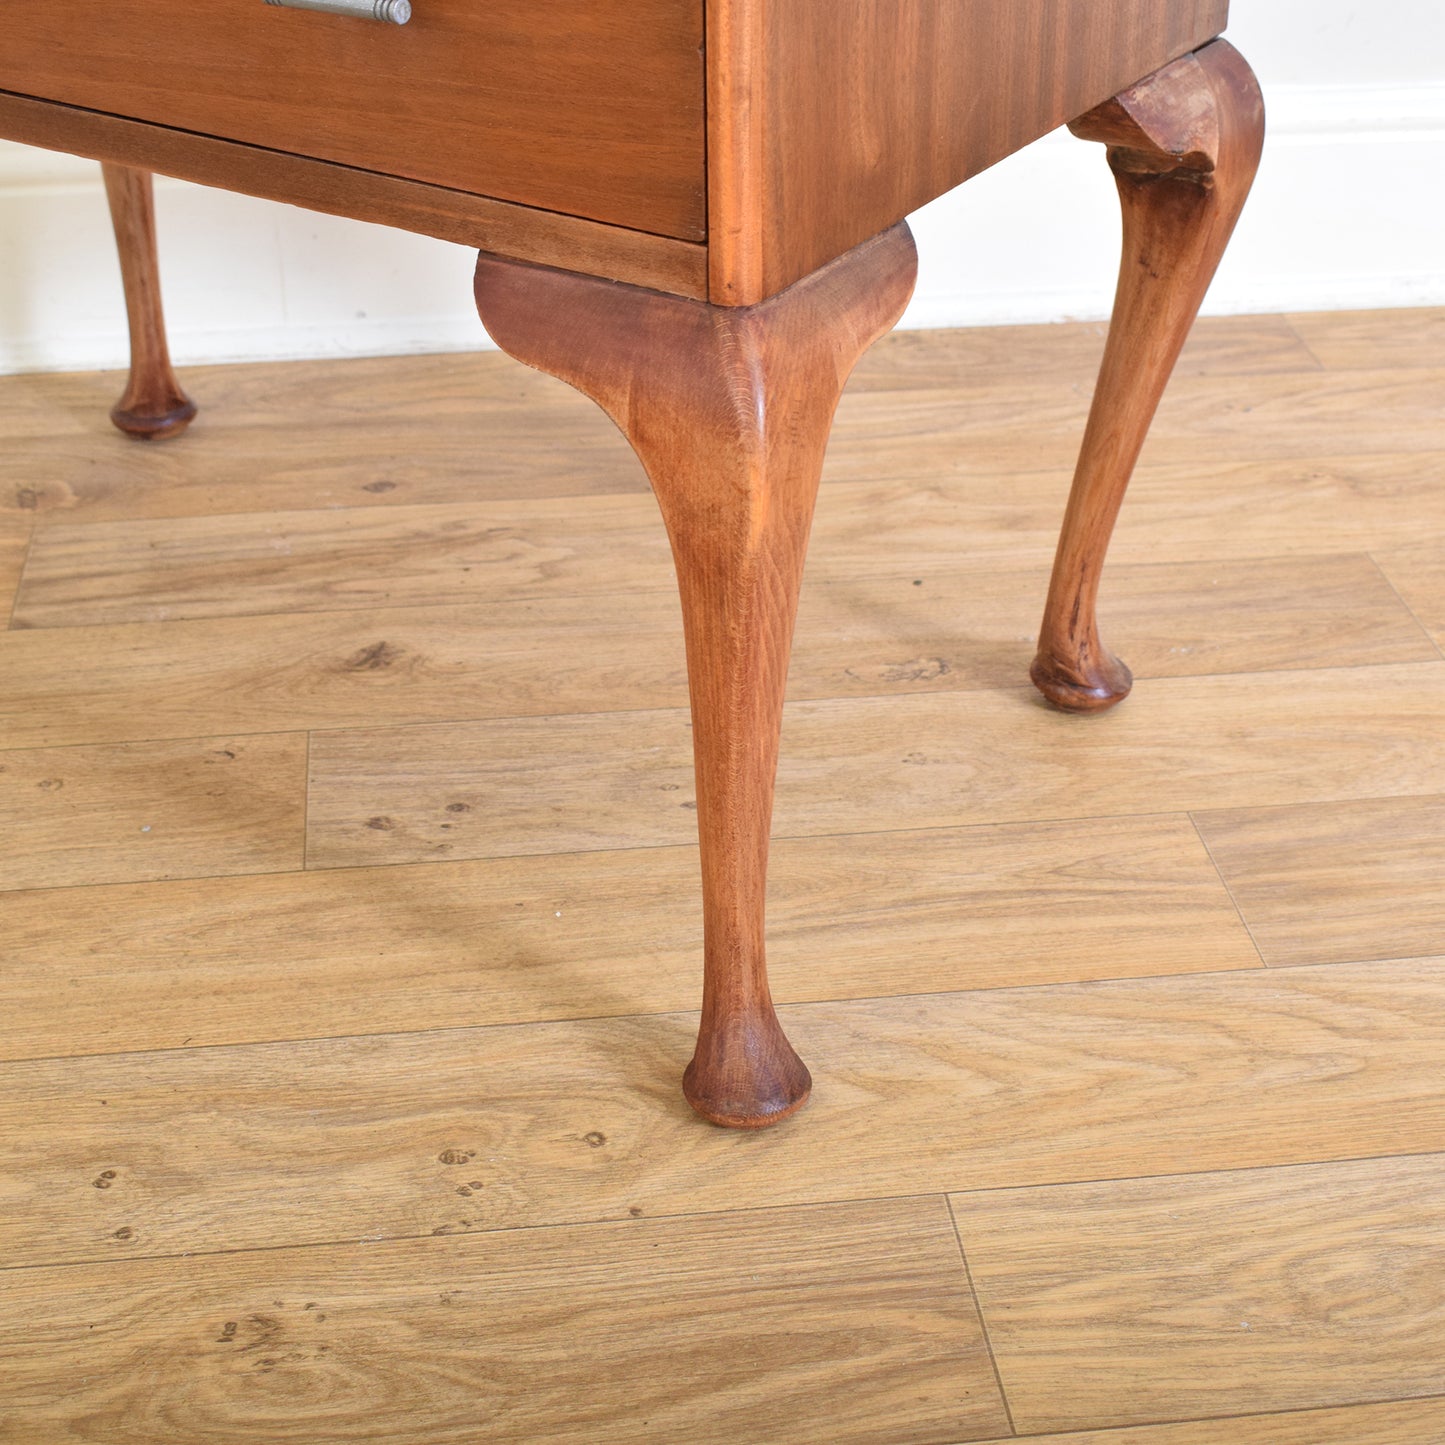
x=1339 y=219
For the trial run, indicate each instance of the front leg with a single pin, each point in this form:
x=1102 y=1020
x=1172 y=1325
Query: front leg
x=729 y=410
x=1183 y=145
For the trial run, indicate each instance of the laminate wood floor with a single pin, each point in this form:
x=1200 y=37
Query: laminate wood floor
x=350 y=930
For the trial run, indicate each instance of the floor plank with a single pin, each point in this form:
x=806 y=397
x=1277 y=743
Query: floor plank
x=441 y=429
x=1324 y=883
x=1346 y=340
x=750 y=1326
x=344 y=669
x=462 y=427
x=178 y=809
x=537 y=785
x=1016 y=425
x=976 y=628
x=966 y=629
x=884 y=501
x=1068 y=353
x=323 y=561
x=296 y=1143
x=219 y=469
x=997 y=934
x=1398 y=1422
x=894 y=499
x=28 y=406
x=309 y=435
x=1141 y=1300
x=357 y=951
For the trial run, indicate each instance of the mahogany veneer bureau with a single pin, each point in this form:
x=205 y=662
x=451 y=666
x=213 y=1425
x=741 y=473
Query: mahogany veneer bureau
x=692 y=211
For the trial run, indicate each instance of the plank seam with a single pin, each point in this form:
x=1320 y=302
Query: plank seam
x=1166 y=1421
x=795 y=1204
x=1224 y=883
x=982 y=1322
x=1415 y=616
x=20 y=579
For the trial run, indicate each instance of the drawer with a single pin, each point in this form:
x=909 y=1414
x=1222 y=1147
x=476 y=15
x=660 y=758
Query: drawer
x=589 y=107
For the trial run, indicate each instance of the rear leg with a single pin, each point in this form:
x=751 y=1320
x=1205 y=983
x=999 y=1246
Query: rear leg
x=153 y=406
x=1183 y=146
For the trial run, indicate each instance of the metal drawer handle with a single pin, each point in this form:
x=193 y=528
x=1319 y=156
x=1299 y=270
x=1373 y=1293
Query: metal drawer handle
x=394 y=12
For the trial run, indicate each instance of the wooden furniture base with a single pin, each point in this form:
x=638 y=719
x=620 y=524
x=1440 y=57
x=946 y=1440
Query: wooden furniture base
x=1184 y=146
x=724 y=184
x=728 y=409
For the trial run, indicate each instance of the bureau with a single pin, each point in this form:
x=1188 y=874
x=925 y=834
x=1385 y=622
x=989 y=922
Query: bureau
x=692 y=211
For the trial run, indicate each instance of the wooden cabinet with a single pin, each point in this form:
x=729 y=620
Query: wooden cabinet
x=721 y=150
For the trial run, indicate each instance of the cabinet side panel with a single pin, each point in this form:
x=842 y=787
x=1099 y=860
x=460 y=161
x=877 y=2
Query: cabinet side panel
x=873 y=107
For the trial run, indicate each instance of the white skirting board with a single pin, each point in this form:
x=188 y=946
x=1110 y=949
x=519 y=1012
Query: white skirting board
x=1346 y=213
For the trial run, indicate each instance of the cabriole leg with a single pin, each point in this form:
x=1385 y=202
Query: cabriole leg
x=153 y=406
x=729 y=410
x=1183 y=146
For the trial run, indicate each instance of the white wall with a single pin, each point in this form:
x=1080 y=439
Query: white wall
x=1348 y=211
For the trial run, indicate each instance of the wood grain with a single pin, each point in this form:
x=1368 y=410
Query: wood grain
x=27 y=409
x=370 y=434
x=974 y=627
x=1188 y=619
x=461 y=426
x=293 y=1143
x=562 y=784
x=449 y=214
x=1346 y=340
x=340 y=669
x=1320 y=883
x=883 y=503
x=360 y=951
x=750 y=1325
x=1139 y=1300
x=1397 y=1422
x=872 y=636
x=327 y=560
x=909 y=474
x=335 y=465
x=1205 y=422
x=407 y=101
x=900 y=105
x=881 y=507
x=1068 y=353
x=187 y=808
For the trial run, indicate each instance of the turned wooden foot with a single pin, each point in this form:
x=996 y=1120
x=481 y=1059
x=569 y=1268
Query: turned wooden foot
x=153 y=406
x=729 y=409
x=1183 y=146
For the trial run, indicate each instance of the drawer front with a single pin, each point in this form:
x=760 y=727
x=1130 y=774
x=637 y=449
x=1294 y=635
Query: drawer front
x=589 y=107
